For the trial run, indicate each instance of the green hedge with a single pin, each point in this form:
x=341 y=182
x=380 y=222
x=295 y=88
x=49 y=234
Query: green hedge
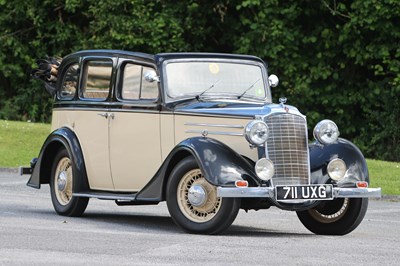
x=335 y=59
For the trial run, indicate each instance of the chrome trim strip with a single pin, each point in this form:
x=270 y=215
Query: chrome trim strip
x=239 y=116
x=213 y=125
x=214 y=132
x=269 y=192
x=357 y=192
x=108 y=109
x=134 y=111
x=249 y=192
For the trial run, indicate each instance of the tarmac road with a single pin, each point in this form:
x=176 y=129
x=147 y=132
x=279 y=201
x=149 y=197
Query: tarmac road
x=31 y=233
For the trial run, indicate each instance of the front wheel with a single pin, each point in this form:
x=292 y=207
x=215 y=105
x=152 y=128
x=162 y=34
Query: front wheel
x=193 y=202
x=336 y=217
x=62 y=178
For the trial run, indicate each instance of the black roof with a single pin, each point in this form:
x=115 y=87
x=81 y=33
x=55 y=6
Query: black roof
x=112 y=53
x=165 y=56
x=159 y=58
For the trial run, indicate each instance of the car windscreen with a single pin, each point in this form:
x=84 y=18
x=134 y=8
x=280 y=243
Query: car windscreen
x=215 y=78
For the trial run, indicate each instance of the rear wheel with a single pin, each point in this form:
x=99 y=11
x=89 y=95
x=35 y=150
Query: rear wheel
x=193 y=202
x=336 y=217
x=61 y=183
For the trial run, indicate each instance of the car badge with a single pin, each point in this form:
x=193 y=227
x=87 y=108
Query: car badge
x=283 y=100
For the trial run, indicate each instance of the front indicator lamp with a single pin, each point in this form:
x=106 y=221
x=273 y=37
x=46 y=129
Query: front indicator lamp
x=336 y=169
x=241 y=183
x=362 y=184
x=265 y=169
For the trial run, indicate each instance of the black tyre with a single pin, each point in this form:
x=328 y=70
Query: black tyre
x=336 y=217
x=193 y=202
x=61 y=181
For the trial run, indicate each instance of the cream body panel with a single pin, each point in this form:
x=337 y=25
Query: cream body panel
x=167 y=134
x=135 y=149
x=92 y=132
x=230 y=131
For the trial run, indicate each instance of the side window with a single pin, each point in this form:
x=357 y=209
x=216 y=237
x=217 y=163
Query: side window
x=134 y=85
x=97 y=79
x=70 y=83
x=131 y=82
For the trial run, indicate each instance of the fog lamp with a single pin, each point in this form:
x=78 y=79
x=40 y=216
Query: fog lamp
x=265 y=169
x=336 y=169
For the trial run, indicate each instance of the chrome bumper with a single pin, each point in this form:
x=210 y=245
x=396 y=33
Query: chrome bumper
x=269 y=192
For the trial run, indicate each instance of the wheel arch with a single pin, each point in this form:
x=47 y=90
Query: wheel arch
x=345 y=150
x=60 y=138
x=220 y=165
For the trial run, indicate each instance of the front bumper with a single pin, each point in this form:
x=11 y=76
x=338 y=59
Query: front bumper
x=269 y=192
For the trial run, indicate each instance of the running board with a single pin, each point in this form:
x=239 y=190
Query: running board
x=120 y=199
x=107 y=196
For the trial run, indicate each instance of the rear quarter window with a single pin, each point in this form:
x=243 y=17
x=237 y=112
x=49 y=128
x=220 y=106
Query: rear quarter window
x=70 y=82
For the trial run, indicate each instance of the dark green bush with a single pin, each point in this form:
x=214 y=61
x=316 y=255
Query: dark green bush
x=335 y=59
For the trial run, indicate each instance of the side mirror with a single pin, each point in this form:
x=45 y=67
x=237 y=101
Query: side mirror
x=151 y=76
x=273 y=81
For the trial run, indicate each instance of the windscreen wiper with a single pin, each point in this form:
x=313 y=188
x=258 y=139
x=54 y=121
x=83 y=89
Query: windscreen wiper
x=209 y=88
x=252 y=85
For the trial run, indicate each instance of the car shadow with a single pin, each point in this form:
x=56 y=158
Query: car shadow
x=165 y=224
x=145 y=221
x=251 y=231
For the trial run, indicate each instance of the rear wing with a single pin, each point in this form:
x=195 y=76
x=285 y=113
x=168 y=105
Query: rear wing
x=47 y=71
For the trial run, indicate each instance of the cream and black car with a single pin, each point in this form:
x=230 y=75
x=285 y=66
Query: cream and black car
x=197 y=130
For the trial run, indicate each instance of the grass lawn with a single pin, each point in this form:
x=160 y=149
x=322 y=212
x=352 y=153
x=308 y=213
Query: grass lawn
x=21 y=141
x=385 y=175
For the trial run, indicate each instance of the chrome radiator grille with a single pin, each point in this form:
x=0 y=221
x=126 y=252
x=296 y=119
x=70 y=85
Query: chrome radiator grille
x=287 y=147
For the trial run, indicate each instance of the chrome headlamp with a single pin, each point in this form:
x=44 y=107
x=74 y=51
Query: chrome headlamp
x=256 y=132
x=326 y=132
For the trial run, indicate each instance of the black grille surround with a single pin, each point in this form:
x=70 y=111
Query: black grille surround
x=287 y=148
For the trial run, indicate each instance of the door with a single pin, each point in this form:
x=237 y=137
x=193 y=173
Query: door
x=91 y=122
x=134 y=136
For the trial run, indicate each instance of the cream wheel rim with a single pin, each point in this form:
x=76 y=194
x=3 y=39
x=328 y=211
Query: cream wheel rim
x=207 y=209
x=63 y=181
x=330 y=218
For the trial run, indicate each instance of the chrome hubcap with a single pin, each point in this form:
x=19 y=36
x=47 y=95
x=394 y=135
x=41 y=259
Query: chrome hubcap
x=62 y=181
x=197 y=195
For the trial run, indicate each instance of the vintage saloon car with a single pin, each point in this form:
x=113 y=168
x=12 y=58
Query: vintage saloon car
x=196 y=130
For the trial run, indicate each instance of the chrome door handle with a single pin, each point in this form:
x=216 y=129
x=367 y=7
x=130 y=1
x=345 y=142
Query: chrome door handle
x=105 y=115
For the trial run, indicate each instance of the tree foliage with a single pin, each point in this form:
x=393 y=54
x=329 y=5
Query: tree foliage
x=335 y=59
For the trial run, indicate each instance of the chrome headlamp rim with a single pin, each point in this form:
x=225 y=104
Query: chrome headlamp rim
x=319 y=132
x=261 y=138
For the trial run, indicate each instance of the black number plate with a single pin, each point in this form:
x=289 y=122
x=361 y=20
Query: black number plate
x=312 y=192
